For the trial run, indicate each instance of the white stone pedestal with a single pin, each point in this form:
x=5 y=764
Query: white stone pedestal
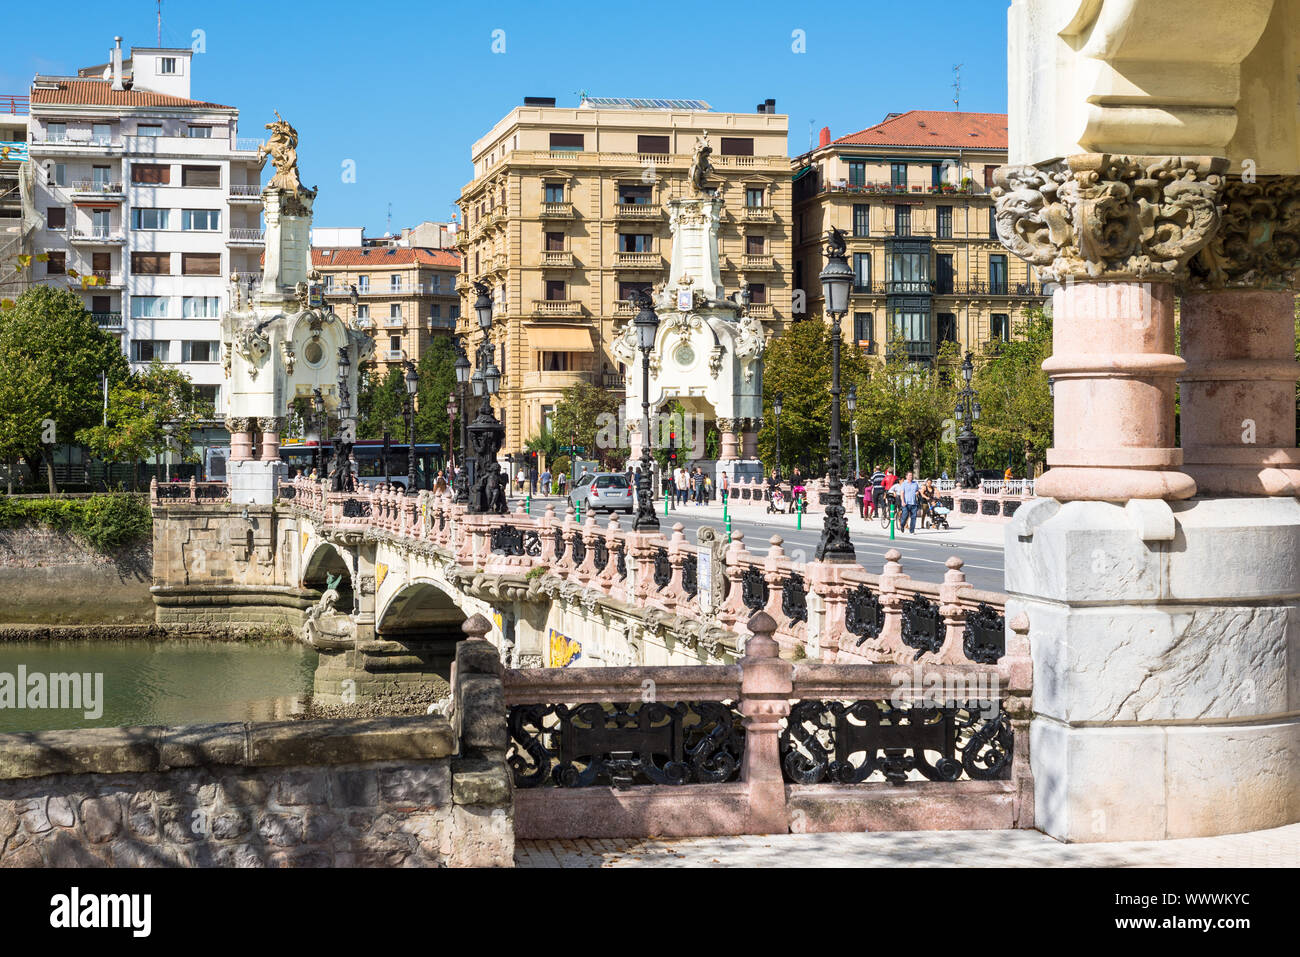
x=254 y=482
x=738 y=470
x=1166 y=652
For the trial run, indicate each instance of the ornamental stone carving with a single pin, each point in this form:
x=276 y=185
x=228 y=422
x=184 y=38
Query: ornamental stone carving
x=238 y=424
x=1110 y=218
x=1257 y=245
x=274 y=423
x=726 y=425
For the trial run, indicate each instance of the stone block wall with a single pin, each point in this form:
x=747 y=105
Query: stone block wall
x=373 y=792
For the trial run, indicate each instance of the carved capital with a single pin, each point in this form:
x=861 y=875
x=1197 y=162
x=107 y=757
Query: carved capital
x=1257 y=245
x=273 y=423
x=1101 y=217
x=726 y=425
x=238 y=424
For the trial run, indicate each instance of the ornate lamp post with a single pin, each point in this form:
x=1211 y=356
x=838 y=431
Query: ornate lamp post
x=778 y=400
x=452 y=409
x=343 y=438
x=408 y=416
x=835 y=545
x=462 y=386
x=486 y=433
x=318 y=406
x=968 y=413
x=647 y=325
x=851 y=401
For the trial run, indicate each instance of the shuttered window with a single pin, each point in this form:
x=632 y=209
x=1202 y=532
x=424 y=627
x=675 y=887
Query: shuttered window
x=151 y=264
x=737 y=146
x=201 y=264
x=200 y=175
x=149 y=174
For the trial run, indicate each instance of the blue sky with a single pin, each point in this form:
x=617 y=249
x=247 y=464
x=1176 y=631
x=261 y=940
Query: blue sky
x=403 y=89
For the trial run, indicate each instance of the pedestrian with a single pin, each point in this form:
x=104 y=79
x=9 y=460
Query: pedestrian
x=532 y=479
x=877 y=490
x=909 y=490
x=726 y=488
x=545 y=480
x=708 y=489
x=562 y=479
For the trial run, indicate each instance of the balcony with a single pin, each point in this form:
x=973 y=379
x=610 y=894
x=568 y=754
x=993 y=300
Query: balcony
x=1014 y=290
x=240 y=193
x=58 y=144
x=99 y=190
x=762 y=263
x=97 y=236
x=868 y=289
x=637 y=211
x=462 y=282
x=95 y=280
x=462 y=238
x=15 y=104
x=557 y=211
x=394 y=355
x=246 y=237
x=548 y=308
x=625 y=307
x=247 y=144
x=760 y=310
x=107 y=320
x=900 y=189
x=557 y=259
x=612 y=380
x=759 y=214
x=441 y=322
x=637 y=261
x=364 y=322
x=558 y=380
x=394 y=322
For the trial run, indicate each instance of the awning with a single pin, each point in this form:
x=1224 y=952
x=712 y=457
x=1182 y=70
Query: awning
x=561 y=339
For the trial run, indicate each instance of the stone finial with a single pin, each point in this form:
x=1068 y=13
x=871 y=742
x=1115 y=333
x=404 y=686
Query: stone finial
x=1108 y=218
x=892 y=564
x=776 y=551
x=954 y=574
x=613 y=525
x=476 y=626
x=761 y=644
x=1019 y=624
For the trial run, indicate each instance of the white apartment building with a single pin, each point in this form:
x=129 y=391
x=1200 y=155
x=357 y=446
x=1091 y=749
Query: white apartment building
x=147 y=202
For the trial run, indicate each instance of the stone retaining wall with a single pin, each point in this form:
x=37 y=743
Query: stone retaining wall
x=415 y=791
x=48 y=577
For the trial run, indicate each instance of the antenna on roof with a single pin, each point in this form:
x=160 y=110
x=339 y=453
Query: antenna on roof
x=389 y=231
x=956 y=87
x=160 y=22
x=810 y=135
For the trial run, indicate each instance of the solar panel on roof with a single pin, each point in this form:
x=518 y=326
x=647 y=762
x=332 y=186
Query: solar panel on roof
x=636 y=103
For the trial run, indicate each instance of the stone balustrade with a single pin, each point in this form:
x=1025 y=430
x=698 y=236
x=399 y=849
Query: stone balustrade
x=992 y=502
x=192 y=491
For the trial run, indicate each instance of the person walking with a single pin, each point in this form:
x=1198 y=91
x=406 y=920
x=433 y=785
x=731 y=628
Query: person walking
x=877 y=491
x=908 y=493
x=562 y=480
x=545 y=481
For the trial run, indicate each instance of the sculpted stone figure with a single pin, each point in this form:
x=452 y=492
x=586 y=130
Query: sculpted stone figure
x=326 y=629
x=700 y=165
x=282 y=147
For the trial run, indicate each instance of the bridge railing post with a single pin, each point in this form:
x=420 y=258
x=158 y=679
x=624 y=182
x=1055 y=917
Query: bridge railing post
x=766 y=686
x=733 y=610
x=892 y=582
x=951 y=607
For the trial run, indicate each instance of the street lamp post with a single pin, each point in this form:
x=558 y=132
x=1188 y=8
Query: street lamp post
x=452 y=409
x=835 y=544
x=318 y=406
x=408 y=414
x=852 y=402
x=968 y=413
x=343 y=438
x=486 y=433
x=647 y=325
x=778 y=400
x=461 y=494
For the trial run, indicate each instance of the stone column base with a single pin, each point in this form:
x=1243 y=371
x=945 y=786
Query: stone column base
x=1165 y=638
x=254 y=482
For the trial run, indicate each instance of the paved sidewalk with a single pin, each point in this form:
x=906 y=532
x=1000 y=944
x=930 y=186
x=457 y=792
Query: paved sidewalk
x=1279 y=847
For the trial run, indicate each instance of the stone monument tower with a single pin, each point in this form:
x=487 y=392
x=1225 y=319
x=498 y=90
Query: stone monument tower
x=277 y=345
x=708 y=352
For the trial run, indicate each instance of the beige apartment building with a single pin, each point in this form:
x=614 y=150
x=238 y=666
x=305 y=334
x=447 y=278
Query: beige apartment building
x=405 y=295
x=564 y=221
x=911 y=195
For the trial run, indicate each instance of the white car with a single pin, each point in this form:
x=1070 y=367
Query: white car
x=607 y=490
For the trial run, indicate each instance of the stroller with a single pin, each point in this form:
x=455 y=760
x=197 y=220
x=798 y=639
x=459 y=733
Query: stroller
x=776 y=501
x=939 y=515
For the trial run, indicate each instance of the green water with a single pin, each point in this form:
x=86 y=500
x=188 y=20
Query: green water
x=160 y=682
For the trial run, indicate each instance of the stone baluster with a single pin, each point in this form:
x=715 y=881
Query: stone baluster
x=766 y=686
x=194 y=490
x=673 y=595
x=587 y=533
x=733 y=610
x=827 y=589
x=952 y=609
x=892 y=584
x=608 y=578
x=774 y=574
x=564 y=564
x=546 y=535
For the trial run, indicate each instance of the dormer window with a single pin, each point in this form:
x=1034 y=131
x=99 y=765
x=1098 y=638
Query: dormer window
x=167 y=65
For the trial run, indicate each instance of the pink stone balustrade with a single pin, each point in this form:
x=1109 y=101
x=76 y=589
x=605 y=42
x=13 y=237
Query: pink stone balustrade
x=192 y=492
x=992 y=502
x=761 y=794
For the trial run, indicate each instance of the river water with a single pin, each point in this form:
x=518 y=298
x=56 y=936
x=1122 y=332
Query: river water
x=173 y=682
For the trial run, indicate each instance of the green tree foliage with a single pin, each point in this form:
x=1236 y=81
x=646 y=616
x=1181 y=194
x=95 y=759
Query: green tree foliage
x=1015 y=403
x=148 y=412
x=578 y=415
x=379 y=405
x=910 y=403
x=105 y=522
x=52 y=356
x=437 y=372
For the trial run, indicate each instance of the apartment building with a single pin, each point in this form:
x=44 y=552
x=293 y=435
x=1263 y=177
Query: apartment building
x=16 y=221
x=564 y=221
x=147 y=202
x=911 y=195
x=404 y=295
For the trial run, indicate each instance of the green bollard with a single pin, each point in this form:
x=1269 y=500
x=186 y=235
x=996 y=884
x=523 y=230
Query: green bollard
x=727 y=518
x=798 y=512
x=665 y=506
x=528 y=505
x=577 y=512
x=891 y=521
x=724 y=510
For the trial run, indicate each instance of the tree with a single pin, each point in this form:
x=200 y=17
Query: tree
x=149 y=412
x=53 y=356
x=379 y=405
x=437 y=372
x=1015 y=400
x=578 y=417
x=908 y=402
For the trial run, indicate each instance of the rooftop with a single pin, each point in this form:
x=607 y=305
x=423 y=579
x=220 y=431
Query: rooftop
x=78 y=91
x=377 y=257
x=982 y=131
x=634 y=103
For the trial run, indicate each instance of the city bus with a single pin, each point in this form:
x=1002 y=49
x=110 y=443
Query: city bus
x=369 y=454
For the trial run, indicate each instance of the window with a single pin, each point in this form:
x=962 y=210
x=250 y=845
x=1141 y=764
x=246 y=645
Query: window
x=861 y=272
x=554 y=242
x=101 y=134
x=861 y=219
x=148 y=174
x=1000 y=327
x=754 y=245
x=993 y=223
x=101 y=304
x=754 y=197
x=634 y=242
x=200 y=220
x=435 y=311
x=554 y=361
x=147 y=350
x=936 y=174
x=737 y=146
x=363 y=284
x=101 y=176
x=56 y=217
x=208 y=176
x=150 y=307
x=454 y=311
x=554 y=192
x=857 y=173
x=988 y=175
x=943 y=222
x=394 y=344
x=394 y=282
x=59 y=174
x=149 y=218
x=148 y=129
x=635 y=195
x=167 y=65
x=56 y=264
x=394 y=310
x=862 y=323
x=99 y=222
x=101 y=264
x=208 y=395
x=629 y=290
x=898 y=174
x=758 y=292
x=998 y=275
x=151 y=264
x=201 y=307
x=902 y=220
x=646 y=143
x=555 y=291
x=329 y=283
x=56 y=132
x=200 y=132
x=943 y=274
x=566 y=143
x=201 y=264
x=200 y=351
x=947 y=326
x=435 y=282
x=363 y=311
x=909 y=273
x=910 y=321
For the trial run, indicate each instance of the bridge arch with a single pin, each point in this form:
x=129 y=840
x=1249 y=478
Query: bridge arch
x=321 y=563
x=423 y=607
